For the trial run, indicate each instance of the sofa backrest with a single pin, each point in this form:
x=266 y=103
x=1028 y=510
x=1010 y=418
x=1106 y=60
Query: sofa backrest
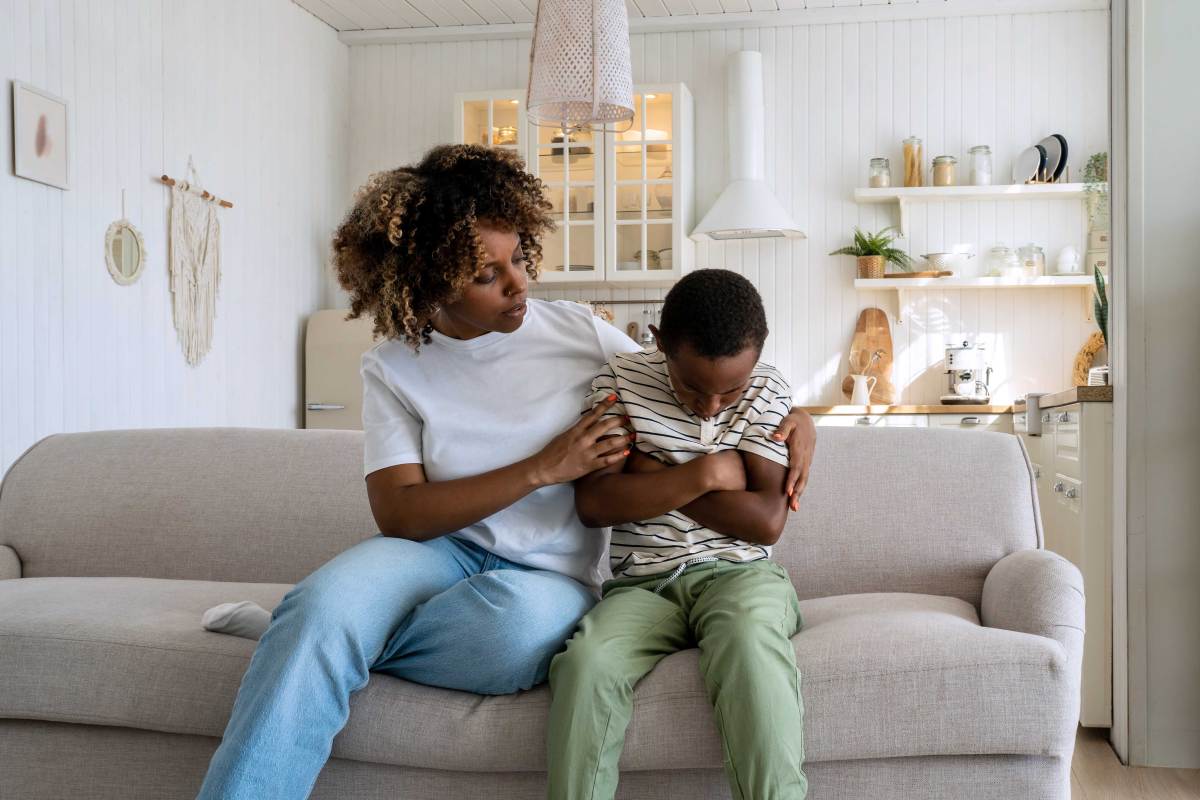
x=910 y=510
x=898 y=510
x=222 y=504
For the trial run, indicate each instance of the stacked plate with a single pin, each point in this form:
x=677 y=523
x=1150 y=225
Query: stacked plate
x=1045 y=162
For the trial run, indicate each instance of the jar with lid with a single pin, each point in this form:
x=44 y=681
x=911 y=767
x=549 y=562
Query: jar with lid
x=913 y=159
x=1001 y=261
x=881 y=174
x=1033 y=260
x=981 y=165
x=943 y=170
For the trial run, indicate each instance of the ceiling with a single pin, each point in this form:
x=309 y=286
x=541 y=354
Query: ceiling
x=366 y=15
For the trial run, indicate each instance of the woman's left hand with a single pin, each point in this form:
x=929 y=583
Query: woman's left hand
x=798 y=430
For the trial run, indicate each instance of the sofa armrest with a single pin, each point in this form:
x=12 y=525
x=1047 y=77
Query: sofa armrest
x=1038 y=592
x=10 y=563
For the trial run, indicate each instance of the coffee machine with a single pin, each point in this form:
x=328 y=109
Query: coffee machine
x=968 y=375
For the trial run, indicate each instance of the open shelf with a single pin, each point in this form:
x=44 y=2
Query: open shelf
x=903 y=196
x=1045 y=282
x=894 y=194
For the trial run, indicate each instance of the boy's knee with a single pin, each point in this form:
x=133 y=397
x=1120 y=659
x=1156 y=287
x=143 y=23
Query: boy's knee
x=586 y=662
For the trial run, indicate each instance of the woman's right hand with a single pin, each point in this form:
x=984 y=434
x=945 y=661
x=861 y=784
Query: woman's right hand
x=582 y=448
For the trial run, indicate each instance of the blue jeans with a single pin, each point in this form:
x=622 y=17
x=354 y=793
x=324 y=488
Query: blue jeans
x=443 y=613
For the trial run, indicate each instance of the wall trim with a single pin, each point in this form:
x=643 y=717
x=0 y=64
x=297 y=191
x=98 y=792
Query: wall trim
x=1118 y=180
x=939 y=9
x=1129 y=392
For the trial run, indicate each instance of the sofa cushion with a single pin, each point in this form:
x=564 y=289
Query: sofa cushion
x=883 y=675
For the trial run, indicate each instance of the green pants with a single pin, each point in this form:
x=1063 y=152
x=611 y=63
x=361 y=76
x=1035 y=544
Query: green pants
x=742 y=617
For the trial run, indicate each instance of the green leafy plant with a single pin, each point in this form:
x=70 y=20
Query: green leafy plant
x=1095 y=185
x=1100 y=305
x=876 y=244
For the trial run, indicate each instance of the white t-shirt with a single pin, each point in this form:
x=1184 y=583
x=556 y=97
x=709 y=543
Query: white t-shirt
x=465 y=407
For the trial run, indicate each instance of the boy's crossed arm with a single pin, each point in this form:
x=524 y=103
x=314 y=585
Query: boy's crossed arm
x=734 y=493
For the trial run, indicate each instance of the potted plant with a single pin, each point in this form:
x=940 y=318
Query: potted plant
x=1091 y=363
x=874 y=250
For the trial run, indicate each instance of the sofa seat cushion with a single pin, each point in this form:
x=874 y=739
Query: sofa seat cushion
x=883 y=675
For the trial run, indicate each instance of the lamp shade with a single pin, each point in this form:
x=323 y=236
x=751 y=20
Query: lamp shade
x=579 y=70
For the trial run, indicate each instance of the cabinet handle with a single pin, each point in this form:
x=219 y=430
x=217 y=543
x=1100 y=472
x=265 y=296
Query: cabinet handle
x=324 y=406
x=863 y=421
x=1059 y=486
x=1072 y=493
x=969 y=421
x=1064 y=417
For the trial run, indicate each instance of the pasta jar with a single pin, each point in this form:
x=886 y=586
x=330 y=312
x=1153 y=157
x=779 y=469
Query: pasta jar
x=881 y=173
x=912 y=161
x=981 y=165
x=943 y=170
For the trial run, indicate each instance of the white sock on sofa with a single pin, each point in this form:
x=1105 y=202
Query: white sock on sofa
x=246 y=619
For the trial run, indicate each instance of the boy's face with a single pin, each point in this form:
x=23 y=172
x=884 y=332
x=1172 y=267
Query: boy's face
x=707 y=385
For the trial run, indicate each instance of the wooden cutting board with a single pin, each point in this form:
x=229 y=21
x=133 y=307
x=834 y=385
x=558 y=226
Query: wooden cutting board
x=872 y=333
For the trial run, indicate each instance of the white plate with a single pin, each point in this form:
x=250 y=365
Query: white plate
x=1028 y=164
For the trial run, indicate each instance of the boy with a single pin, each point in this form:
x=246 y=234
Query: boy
x=694 y=512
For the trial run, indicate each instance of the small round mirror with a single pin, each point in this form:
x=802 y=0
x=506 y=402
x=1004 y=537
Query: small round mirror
x=124 y=251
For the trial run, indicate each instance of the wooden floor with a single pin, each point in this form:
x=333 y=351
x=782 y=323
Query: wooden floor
x=1097 y=774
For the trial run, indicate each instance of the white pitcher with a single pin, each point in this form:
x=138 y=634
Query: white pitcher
x=863 y=386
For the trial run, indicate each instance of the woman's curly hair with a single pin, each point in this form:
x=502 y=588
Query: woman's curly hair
x=410 y=243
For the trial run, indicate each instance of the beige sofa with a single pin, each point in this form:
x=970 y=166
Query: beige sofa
x=940 y=657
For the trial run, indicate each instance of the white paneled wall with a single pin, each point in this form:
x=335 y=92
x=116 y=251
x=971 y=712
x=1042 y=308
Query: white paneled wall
x=836 y=95
x=255 y=92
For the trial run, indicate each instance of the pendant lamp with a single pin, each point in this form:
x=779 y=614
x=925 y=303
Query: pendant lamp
x=579 y=70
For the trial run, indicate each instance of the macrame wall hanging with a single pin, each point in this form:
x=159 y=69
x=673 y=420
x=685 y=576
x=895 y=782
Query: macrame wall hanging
x=194 y=256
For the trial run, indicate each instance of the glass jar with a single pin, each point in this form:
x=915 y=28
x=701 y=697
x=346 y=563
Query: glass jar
x=981 y=165
x=913 y=160
x=1001 y=261
x=943 y=170
x=1033 y=260
x=881 y=174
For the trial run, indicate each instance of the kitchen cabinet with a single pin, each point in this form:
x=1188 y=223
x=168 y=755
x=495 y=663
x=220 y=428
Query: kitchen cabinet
x=622 y=201
x=1072 y=462
x=492 y=118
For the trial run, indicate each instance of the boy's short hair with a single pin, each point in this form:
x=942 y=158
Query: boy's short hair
x=718 y=312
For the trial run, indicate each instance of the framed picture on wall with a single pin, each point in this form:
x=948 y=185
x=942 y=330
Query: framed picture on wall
x=40 y=136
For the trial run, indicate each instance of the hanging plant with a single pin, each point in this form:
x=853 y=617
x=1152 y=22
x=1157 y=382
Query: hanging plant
x=1095 y=186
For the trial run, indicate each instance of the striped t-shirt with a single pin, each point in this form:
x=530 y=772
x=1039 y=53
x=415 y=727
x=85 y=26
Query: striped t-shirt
x=670 y=432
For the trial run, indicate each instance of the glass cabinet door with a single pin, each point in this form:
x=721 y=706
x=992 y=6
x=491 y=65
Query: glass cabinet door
x=642 y=221
x=570 y=164
x=492 y=119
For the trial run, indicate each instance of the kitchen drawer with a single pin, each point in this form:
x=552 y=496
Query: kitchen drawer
x=972 y=422
x=872 y=420
x=1066 y=441
x=1068 y=503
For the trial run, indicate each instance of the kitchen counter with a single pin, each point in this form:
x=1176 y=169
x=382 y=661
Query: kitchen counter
x=933 y=409
x=1078 y=394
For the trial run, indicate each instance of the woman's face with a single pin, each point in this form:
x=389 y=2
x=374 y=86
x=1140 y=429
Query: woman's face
x=495 y=299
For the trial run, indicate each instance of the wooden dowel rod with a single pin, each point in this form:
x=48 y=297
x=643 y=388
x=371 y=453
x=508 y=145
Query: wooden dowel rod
x=203 y=193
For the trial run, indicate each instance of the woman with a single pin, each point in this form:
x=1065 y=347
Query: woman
x=472 y=437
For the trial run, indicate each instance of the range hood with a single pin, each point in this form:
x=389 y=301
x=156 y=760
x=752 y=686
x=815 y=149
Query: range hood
x=747 y=208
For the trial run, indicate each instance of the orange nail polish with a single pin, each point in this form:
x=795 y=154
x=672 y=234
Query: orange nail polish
x=612 y=398
x=625 y=453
